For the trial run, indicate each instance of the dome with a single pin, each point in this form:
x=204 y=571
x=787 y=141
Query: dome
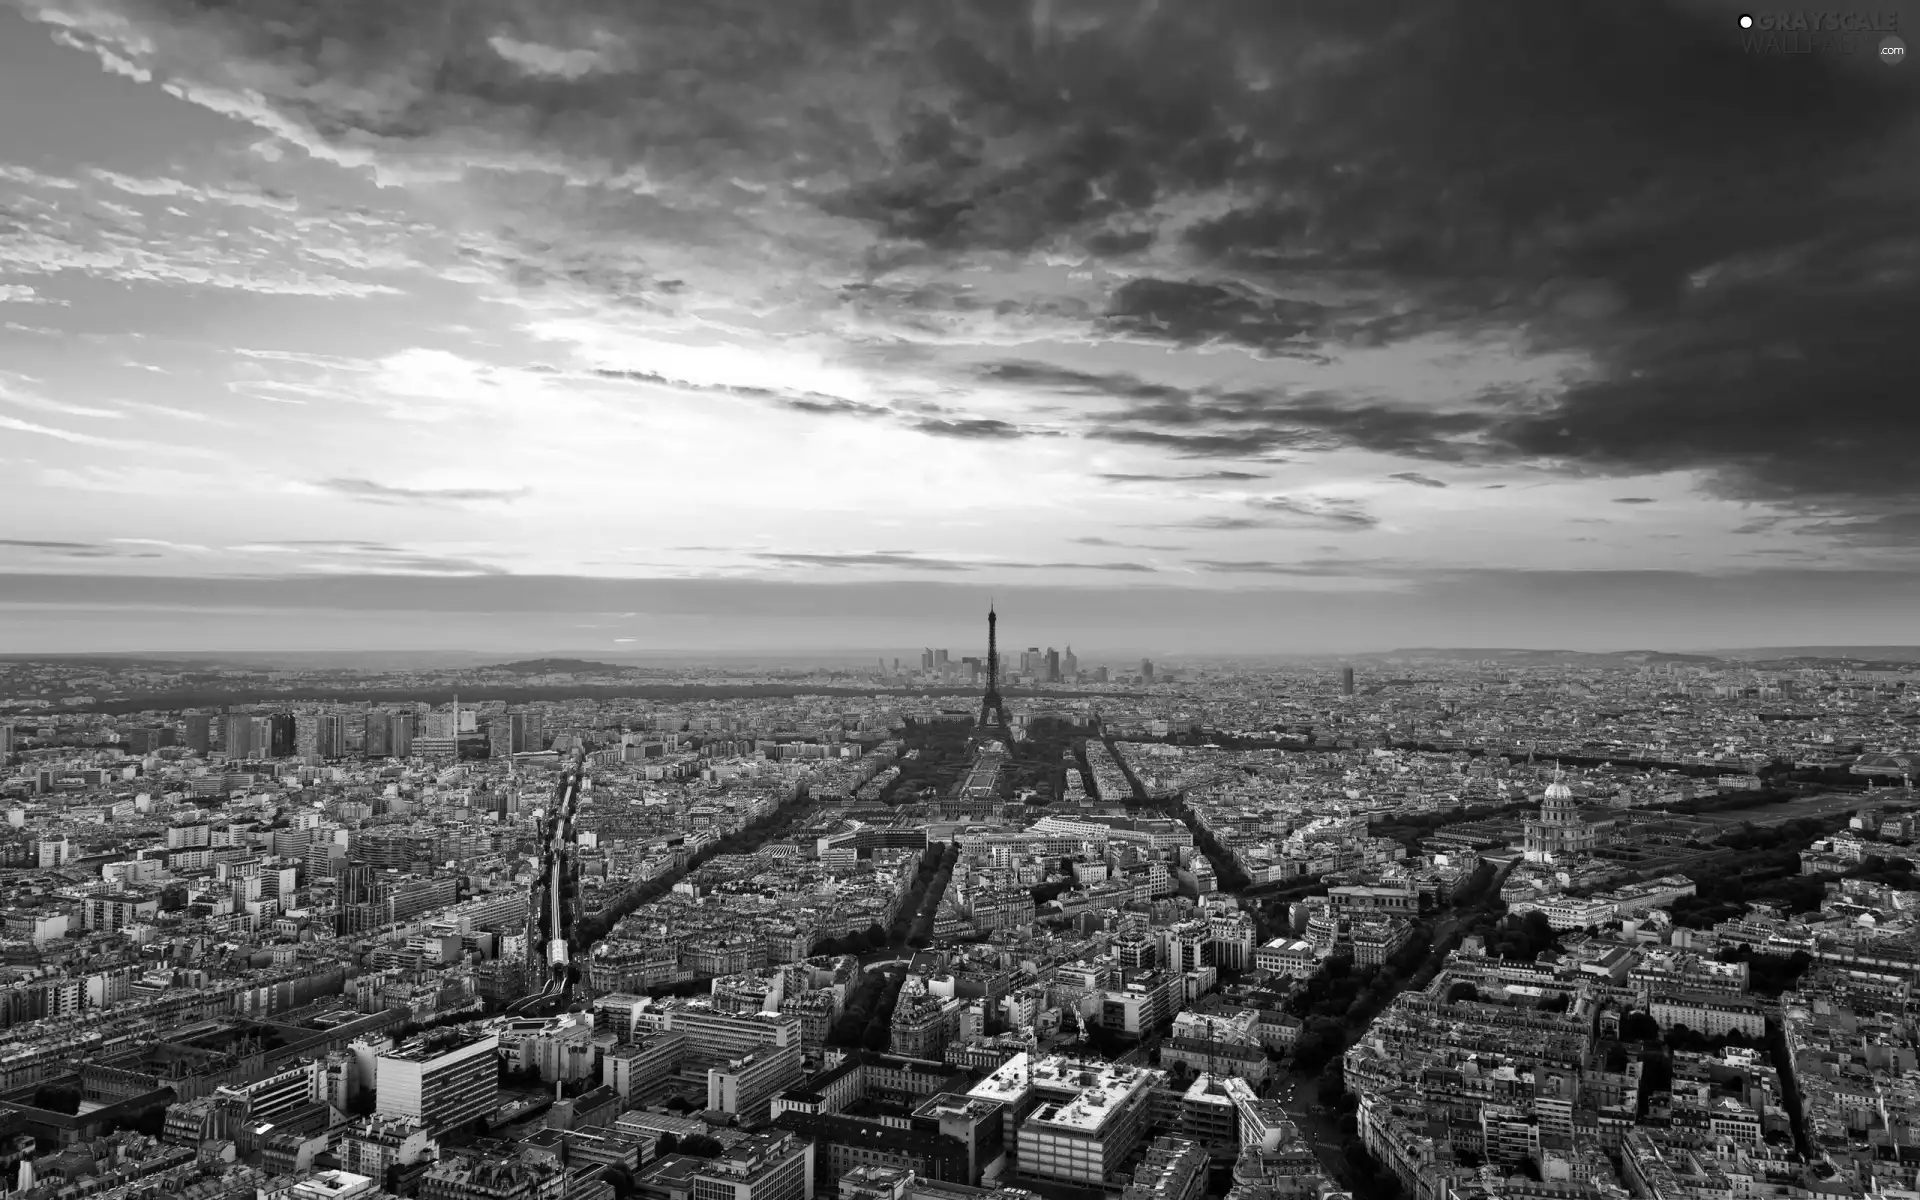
x=1558 y=791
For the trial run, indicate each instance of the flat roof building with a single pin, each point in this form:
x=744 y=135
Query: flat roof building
x=440 y=1081
x=1074 y=1120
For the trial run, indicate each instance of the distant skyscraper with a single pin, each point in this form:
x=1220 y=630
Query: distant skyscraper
x=1346 y=681
x=940 y=660
x=199 y=732
x=333 y=736
x=1146 y=669
x=1053 y=665
x=1069 y=665
x=506 y=735
x=6 y=743
x=306 y=735
x=926 y=660
x=400 y=735
x=281 y=737
x=1100 y=675
x=379 y=739
x=1032 y=661
x=236 y=738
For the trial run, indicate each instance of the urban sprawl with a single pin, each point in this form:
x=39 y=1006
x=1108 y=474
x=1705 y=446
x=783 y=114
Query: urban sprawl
x=1427 y=925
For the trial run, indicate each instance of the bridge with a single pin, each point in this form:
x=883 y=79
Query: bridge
x=552 y=896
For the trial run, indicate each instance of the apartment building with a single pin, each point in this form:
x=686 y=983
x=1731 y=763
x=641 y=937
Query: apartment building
x=1713 y=1015
x=746 y=1086
x=766 y=1166
x=442 y=1082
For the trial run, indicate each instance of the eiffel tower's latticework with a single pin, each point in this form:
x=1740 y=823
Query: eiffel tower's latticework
x=993 y=709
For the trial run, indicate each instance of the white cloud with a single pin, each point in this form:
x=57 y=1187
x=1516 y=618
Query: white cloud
x=35 y=403
x=131 y=480
x=536 y=58
x=20 y=293
x=66 y=435
x=232 y=236
x=168 y=410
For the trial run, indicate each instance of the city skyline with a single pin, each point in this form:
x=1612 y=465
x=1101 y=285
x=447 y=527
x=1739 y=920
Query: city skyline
x=320 y=331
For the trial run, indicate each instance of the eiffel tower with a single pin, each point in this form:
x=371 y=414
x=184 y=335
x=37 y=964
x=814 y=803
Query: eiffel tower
x=993 y=709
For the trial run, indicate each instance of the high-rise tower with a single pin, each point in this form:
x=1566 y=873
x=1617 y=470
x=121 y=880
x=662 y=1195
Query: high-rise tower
x=993 y=710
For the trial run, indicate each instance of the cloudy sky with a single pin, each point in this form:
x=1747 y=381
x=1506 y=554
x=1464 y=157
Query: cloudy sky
x=1196 y=325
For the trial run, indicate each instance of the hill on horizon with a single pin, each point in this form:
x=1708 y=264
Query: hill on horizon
x=1519 y=655
x=1850 y=653
x=556 y=666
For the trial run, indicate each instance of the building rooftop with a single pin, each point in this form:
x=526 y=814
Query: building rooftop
x=428 y=1047
x=1083 y=1094
x=955 y=1104
x=330 y=1185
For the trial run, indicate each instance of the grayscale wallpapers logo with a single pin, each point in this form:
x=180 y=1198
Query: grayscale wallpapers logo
x=1828 y=31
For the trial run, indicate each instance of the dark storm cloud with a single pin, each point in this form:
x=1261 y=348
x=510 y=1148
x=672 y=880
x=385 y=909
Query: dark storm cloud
x=1891 y=529
x=380 y=493
x=1243 y=425
x=1734 y=239
x=1752 y=254
x=1726 y=233
x=1203 y=445
x=1633 y=500
x=816 y=404
x=1416 y=477
x=1235 y=423
x=1044 y=377
x=980 y=428
x=1193 y=314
